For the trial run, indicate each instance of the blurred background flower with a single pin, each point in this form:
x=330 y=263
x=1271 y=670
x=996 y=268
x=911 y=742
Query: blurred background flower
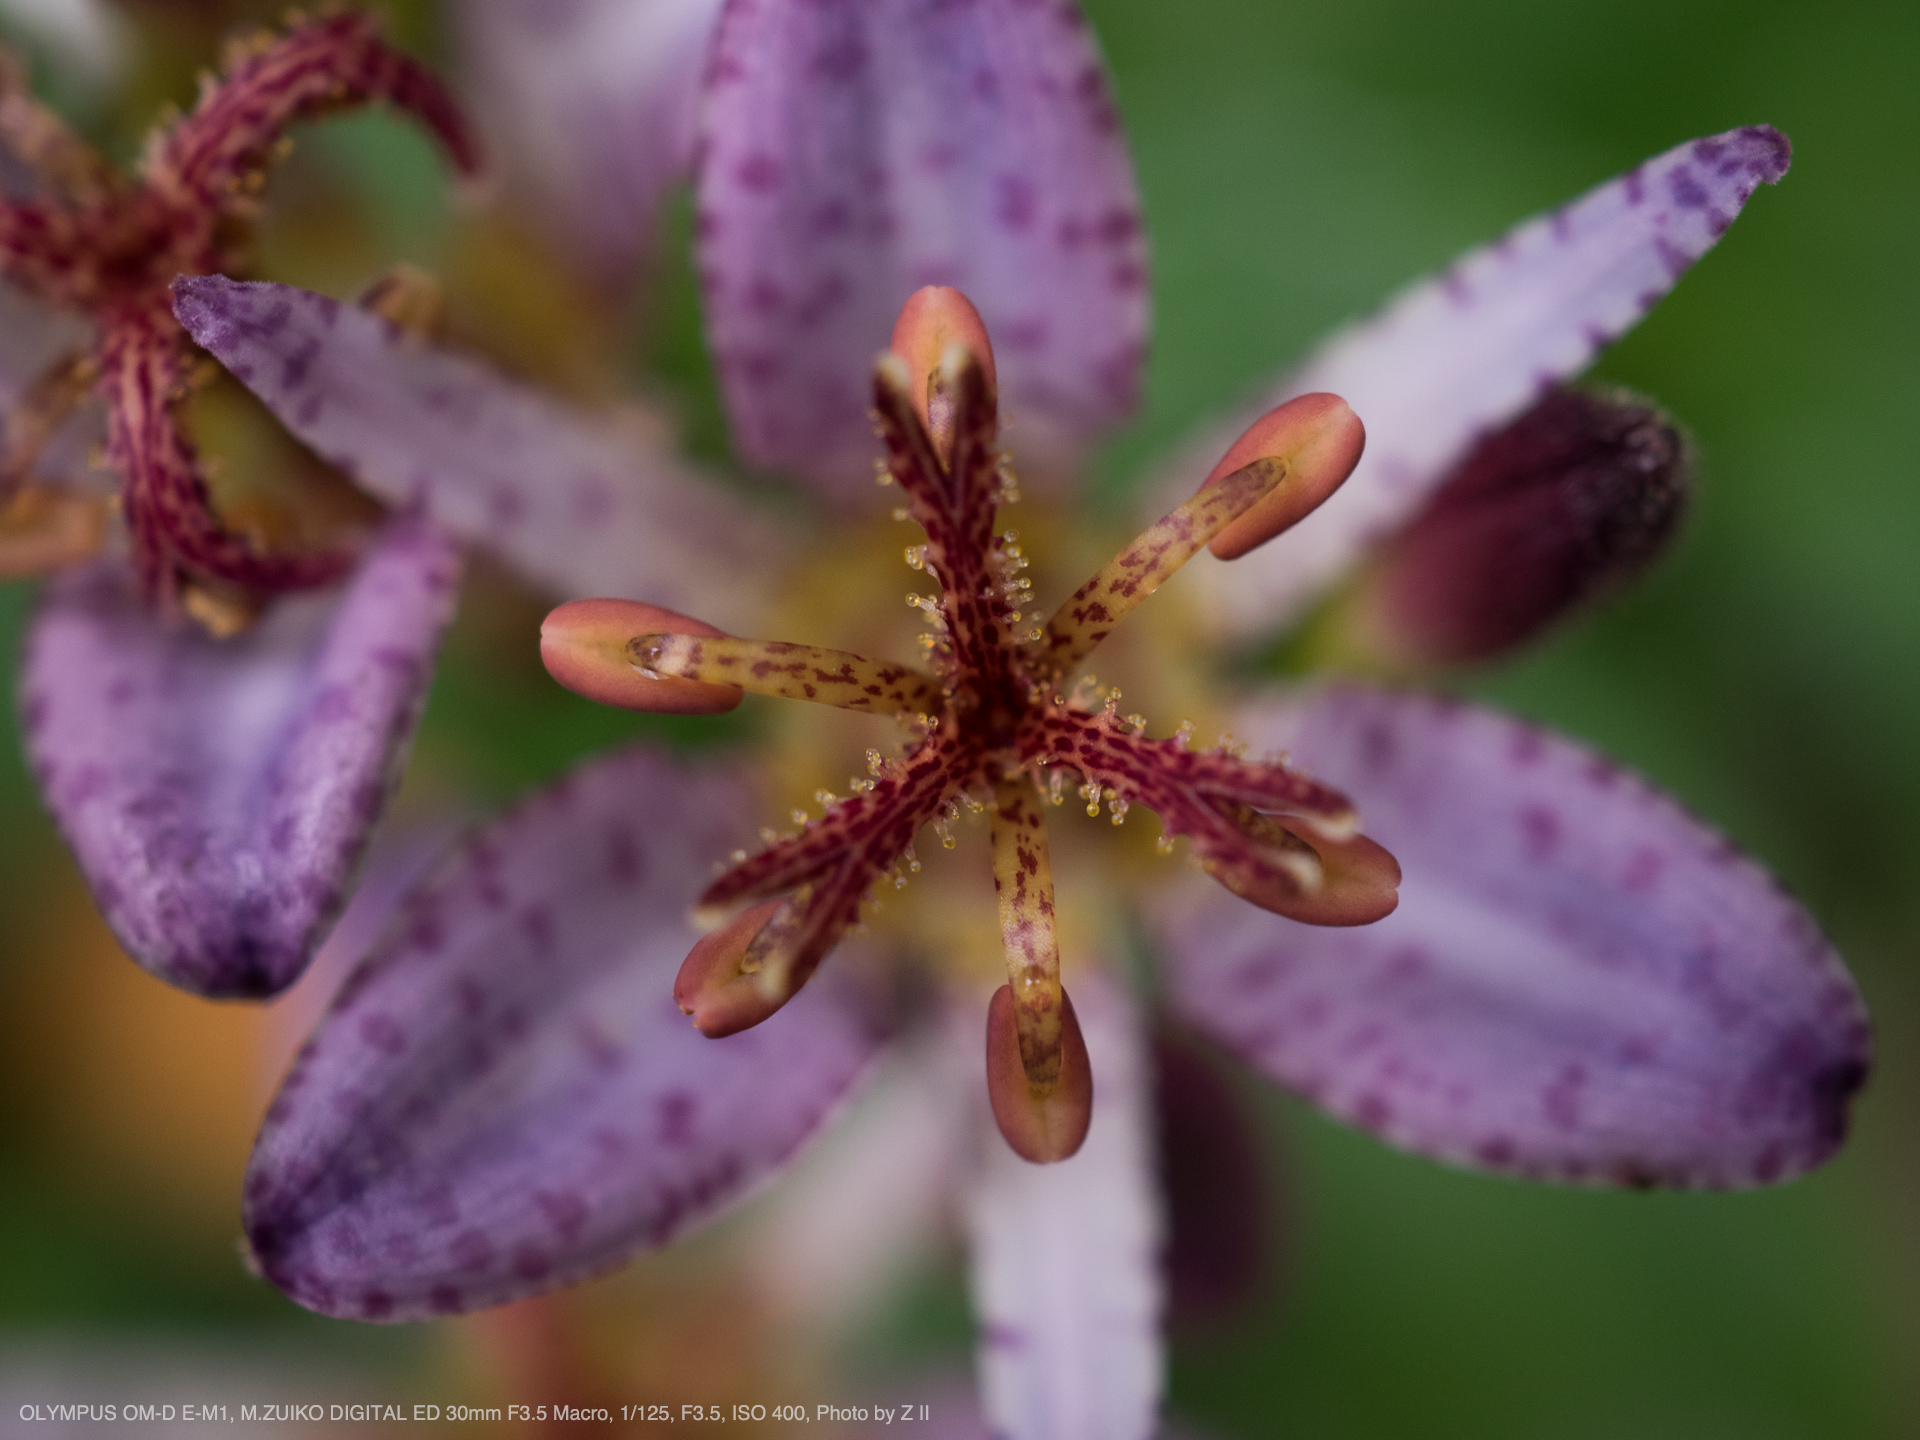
x=1296 y=162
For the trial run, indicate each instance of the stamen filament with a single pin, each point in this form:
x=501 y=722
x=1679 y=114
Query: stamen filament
x=1090 y=614
x=1023 y=881
x=793 y=672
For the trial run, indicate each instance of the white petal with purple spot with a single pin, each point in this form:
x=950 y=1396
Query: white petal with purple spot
x=1066 y=1257
x=218 y=794
x=1462 y=353
x=505 y=1098
x=588 y=109
x=575 y=504
x=1582 y=981
x=857 y=150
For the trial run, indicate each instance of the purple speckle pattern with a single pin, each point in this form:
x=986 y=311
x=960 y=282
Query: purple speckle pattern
x=1454 y=358
x=1066 y=1258
x=577 y=503
x=219 y=794
x=588 y=110
x=494 y=1108
x=1582 y=984
x=858 y=149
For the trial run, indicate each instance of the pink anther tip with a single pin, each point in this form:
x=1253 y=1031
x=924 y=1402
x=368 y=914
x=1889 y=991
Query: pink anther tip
x=584 y=644
x=1040 y=1127
x=1320 y=439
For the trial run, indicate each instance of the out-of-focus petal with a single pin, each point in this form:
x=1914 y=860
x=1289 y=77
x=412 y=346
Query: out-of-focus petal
x=219 y=794
x=1066 y=1257
x=1582 y=983
x=953 y=1413
x=1462 y=353
x=574 y=503
x=588 y=110
x=505 y=1098
x=859 y=149
x=87 y=38
x=32 y=338
x=869 y=1201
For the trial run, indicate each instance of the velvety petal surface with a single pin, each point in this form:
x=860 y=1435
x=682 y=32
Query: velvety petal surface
x=1582 y=982
x=574 y=502
x=1066 y=1257
x=219 y=794
x=1467 y=350
x=505 y=1098
x=858 y=149
x=588 y=109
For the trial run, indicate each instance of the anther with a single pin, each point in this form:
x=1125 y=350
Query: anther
x=1041 y=1125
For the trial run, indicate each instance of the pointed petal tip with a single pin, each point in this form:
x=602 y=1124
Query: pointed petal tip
x=219 y=795
x=1767 y=153
x=1459 y=354
x=1586 y=984
x=505 y=1100
x=583 y=644
x=1319 y=439
x=715 y=990
x=1041 y=1128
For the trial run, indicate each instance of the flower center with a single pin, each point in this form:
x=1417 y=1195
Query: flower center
x=990 y=723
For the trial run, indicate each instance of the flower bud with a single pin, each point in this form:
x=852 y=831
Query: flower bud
x=1569 y=502
x=1319 y=439
x=714 y=987
x=584 y=645
x=1042 y=1125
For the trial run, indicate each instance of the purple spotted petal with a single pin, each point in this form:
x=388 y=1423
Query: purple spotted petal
x=571 y=501
x=859 y=149
x=1464 y=352
x=218 y=794
x=1582 y=982
x=588 y=109
x=1066 y=1257
x=505 y=1098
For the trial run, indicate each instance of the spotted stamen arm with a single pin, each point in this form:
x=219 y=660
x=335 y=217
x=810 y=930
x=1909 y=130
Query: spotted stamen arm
x=791 y=672
x=829 y=867
x=42 y=141
x=1271 y=836
x=1090 y=614
x=209 y=156
x=955 y=504
x=1023 y=884
x=168 y=509
x=873 y=827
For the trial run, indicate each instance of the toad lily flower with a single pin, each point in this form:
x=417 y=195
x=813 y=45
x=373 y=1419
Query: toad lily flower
x=111 y=247
x=991 y=728
x=217 y=792
x=1580 y=982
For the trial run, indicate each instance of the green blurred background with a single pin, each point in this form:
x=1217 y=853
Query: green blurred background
x=1298 y=163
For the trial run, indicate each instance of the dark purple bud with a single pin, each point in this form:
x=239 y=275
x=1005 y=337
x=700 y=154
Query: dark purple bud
x=1221 y=1257
x=1566 y=504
